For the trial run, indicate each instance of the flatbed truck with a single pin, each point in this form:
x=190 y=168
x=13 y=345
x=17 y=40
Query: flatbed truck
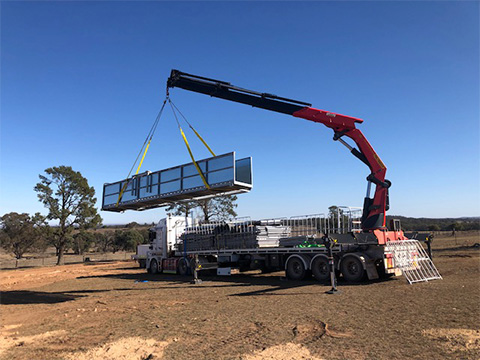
x=299 y=251
x=370 y=250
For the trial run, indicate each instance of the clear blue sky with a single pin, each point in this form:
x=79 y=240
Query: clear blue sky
x=81 y=83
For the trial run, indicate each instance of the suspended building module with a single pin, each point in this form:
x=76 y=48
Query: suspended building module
x=223 y=174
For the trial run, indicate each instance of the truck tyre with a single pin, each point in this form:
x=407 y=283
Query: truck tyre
x=352 y=269
x=153 y=267
x=182 y=267
x=142 y=263
x=295 y=269
x=320 y=269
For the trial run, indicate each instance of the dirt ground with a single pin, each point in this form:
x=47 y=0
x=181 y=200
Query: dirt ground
x=7 y=260
x=114 y=310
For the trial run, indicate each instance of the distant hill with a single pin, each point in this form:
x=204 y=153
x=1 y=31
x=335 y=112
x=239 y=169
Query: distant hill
x=408 y=223
x=433 y=224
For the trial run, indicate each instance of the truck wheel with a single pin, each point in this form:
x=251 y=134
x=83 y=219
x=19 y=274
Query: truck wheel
x=142 y=263
x=295 y=269
x=182 y=267
x=320 y=269
x=153 y=267
x=352 y=269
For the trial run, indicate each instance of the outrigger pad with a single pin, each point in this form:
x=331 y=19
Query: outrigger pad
x=224 y=175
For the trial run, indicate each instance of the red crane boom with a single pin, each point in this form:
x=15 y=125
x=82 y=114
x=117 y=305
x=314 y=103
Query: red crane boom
x=374 y=209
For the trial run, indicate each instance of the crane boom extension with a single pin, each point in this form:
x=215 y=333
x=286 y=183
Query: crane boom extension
x=373 y=208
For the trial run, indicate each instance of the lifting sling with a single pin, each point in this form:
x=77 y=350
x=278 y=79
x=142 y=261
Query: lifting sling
x=145 y=145
x=202 y=176
x=148 y=140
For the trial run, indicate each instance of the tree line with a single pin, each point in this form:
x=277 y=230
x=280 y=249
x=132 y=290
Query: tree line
x=22 y=233
x=70 y=201
x=432 y=224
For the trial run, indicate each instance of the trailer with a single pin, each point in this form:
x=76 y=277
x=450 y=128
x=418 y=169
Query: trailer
x=295 y=245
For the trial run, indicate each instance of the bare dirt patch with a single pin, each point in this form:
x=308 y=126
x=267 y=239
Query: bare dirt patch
x=132 y=348
x=102 y=309
x=456 y=339
x=288 y=351
x=34 y=277
x=11 y=339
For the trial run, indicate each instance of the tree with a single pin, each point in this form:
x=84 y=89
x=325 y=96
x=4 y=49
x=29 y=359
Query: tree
x=456 y=226
x=218 y=208
x=127 y=240
x=82 y=241
x=21 y=233
x=434 y=227
x=145 y=234
x=104 y=241
x=181 y=209
x=55 y=239
x=70 y=200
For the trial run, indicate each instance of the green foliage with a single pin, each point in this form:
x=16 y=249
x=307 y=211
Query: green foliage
x=20 y=233
x=70 y=200
x=54 y=238
x=127 y=240
x=104 y=241
x=132 y=225
x=218 y=208
x=82 y=241
x=443 y=224
x=458 y=226
x=181 y=209
x=144 y=233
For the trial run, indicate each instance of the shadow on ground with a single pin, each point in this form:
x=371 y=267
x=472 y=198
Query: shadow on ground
x=272 y=285
x=34 y=297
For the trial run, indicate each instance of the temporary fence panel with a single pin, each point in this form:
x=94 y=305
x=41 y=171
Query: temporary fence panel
x=410 y=257
x=299 y=231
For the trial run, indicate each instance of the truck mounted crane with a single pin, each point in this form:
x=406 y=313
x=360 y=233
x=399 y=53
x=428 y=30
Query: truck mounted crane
x=293 y=244
x=374 y=209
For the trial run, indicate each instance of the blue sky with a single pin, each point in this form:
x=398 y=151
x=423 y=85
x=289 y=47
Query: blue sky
x=81 y=83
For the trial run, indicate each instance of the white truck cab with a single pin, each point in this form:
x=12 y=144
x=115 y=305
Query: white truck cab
x=163 y=238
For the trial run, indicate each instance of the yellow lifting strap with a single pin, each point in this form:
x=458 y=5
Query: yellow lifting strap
x=203 y=141
x=149 y=135
x=138 y=169
x=172 y=105
x=143 y=157
x=193 y=159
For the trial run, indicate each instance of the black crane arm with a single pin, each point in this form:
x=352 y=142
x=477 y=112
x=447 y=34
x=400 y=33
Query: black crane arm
x=225 y=90
x=342 y=125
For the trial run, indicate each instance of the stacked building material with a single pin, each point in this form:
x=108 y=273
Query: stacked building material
x=269 y=236
x=233 y=236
